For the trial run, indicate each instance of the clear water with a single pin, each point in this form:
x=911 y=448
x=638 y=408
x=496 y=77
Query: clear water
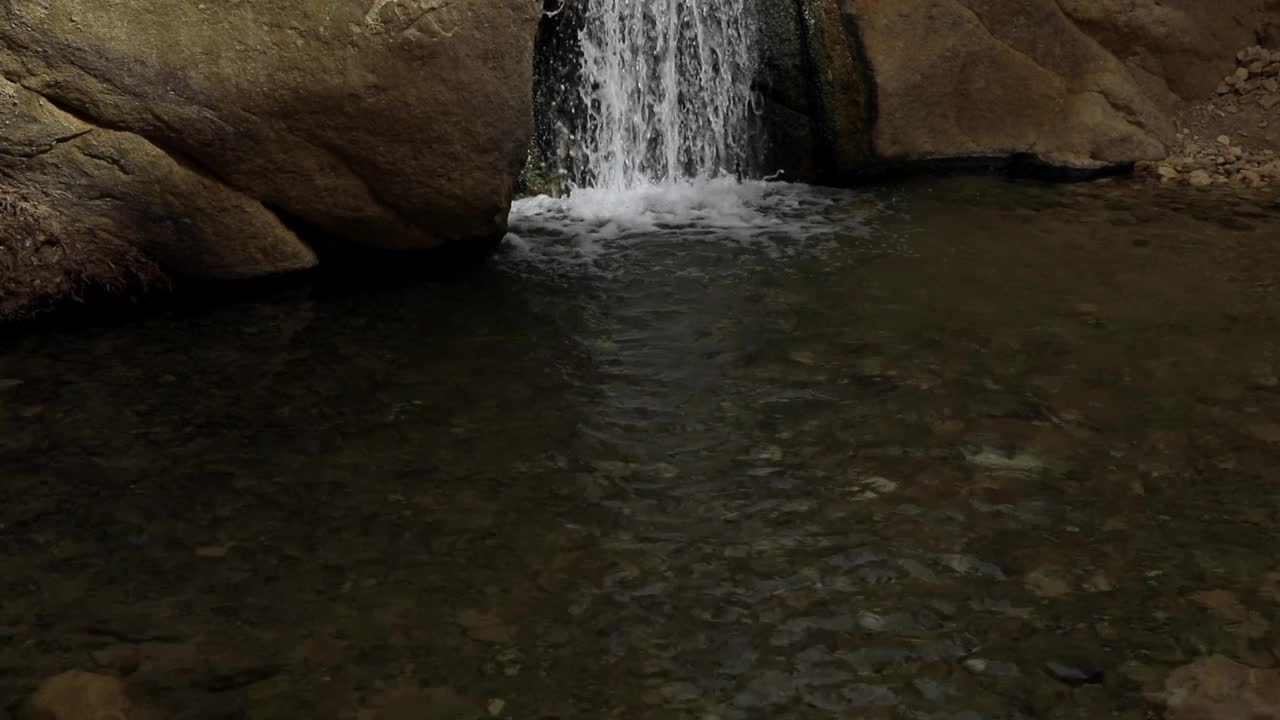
x=667 y=86
x=881 y=454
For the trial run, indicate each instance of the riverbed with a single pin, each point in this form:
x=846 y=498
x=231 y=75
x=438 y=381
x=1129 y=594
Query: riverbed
x=950 y=449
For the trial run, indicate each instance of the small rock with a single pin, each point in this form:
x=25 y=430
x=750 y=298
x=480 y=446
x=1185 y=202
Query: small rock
x=1167 y=172
x=1047 y=582
x=496 y=706
x=995 y=460
x=1223 y=89
x=880 y=485
x=1271 y=587
x=1200 y=178
x=1224 y=140
x=1069 y=675
x=1242 y=74
x=980 y=666
x=948 y=427
x=1099 y=583
x=214 y=552
x=1269 y=101
x=1264 y=380
x=1267 y=432
x=1218 y=687
x=932 y=690
x=77 y=695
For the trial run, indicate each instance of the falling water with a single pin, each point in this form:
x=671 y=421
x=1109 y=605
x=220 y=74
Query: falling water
x=645 y=138
x=666 y=88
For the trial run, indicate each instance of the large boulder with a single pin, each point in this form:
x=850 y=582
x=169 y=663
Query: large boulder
x=973 y=78
x=117 y=189
x=202 y=131
x=1076 y=84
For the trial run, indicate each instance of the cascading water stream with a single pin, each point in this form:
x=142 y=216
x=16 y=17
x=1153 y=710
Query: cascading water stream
x=648 y=118
x=666 y=86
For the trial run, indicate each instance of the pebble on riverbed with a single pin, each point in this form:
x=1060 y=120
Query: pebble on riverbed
x=1218 y=687
x=1223 y=160
x=78 y=695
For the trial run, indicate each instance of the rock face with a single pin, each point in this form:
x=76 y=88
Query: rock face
x=1174 y=47
x=1077 y=84
x=191 y=129
x=120 y=189
x=973 y=78
x=816 y=93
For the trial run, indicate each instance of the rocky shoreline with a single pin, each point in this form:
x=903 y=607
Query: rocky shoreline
x=1233 y=139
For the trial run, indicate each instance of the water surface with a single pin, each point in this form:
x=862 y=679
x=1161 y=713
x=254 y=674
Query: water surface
x=948 y=450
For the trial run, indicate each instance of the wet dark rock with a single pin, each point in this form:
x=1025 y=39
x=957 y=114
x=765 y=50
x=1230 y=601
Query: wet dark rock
x=680 y=692
x=766 y=688
x=1072 y=675
x=829 y=699
x=1048 y=581
x=932 y=689
x=862 y=695
x=994 y=668
x=918 y=570
x=969 y=565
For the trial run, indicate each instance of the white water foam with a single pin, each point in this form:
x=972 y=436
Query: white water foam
x=593 y=224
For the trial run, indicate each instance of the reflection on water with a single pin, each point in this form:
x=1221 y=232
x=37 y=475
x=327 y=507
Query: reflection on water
x=966 y=449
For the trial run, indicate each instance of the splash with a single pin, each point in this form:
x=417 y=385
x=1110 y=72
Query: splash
x=591 y=227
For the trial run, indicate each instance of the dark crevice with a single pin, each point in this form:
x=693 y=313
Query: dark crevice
x=348 y=262
x=867 y=80
x=813 y=91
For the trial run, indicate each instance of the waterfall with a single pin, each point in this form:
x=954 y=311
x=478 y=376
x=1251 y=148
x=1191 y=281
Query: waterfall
x=664 y=90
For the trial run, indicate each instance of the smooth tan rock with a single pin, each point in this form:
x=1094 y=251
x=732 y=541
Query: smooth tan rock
x=117 y=188
x=395 y=123
x=975 y=78
x=1200 y=178
x=77 y=695
x=1173 y=48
